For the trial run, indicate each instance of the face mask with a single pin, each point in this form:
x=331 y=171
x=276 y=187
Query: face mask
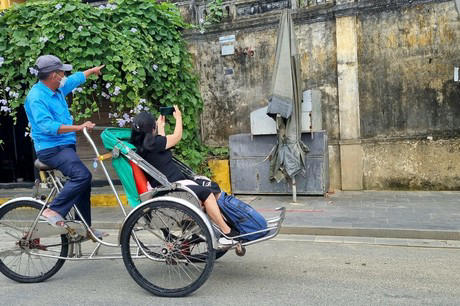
x=62 y=81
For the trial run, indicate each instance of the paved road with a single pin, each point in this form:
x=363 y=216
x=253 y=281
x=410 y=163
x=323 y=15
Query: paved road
x=292 y=270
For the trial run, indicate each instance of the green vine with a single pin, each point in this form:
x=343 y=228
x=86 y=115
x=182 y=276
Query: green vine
x=215 y=14
x=139 y=41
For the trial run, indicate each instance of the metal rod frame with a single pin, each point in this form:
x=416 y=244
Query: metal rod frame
x=274 y=224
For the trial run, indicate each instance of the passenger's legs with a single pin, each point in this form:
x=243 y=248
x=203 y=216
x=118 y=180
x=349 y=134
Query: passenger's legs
x=213 y=211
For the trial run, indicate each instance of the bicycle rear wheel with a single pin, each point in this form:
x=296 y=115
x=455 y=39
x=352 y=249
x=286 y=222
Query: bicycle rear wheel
x=176 y=246
x=25 y=260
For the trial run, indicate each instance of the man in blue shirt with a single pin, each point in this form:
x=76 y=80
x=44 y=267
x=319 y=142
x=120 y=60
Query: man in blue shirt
x=54 y=135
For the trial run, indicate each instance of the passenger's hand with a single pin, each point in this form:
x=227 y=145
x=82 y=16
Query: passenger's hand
x=161 y=122
x=88 y=125
x=177 y=114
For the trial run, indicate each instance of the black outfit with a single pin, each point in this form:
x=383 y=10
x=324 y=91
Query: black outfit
x=161 y=158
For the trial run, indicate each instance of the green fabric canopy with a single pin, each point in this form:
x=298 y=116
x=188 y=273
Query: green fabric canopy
x=116 y=140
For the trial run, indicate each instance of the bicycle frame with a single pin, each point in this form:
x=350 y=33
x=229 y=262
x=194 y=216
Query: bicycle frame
x=75 y=251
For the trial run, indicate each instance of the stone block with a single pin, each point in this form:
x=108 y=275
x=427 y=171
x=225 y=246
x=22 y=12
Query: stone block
x=351 y=156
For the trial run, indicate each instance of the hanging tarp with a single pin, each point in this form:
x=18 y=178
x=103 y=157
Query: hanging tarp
x=287 y=158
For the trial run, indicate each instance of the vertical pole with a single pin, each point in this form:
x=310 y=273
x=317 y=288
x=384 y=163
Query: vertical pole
x=294 y=190
x=15 y=154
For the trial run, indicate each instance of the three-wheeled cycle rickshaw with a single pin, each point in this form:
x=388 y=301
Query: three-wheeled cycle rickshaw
x=168 y=244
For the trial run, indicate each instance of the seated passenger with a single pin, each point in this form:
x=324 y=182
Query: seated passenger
x=153 y=145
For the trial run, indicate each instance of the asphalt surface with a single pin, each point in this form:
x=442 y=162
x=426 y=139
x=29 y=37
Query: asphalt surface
x=291 y=270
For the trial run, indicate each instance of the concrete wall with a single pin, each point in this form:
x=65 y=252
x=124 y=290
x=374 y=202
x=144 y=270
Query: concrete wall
x=407 y=89
x=390 y=107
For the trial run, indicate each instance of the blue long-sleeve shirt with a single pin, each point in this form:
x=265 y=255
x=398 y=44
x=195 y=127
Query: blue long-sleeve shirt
x=47 y=111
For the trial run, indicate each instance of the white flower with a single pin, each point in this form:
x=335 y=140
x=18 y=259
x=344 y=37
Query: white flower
x=115 y=115
x=202 y=31
x=201 y=20
x=121 y=122
x=126 y=117
x=2 y=60
x=7 y=89
x=138 y=109
x=14 y=94
x=146 y=108
x=116 y=92
x=134 y=72
x=33 y=71
x=79 y=89
x=80 y=28
x=58 y=6
x=3 y=102
x=141 y=101
x=101 y=7
x=134 y=30
x=111 y=6
x=61 y=36
x=43 y=39
x=105 y=95
x=5 y=109
x=155 y=67
x=108 y=85
x=94 y=86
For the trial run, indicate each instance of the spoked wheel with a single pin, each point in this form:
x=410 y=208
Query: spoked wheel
x=24 y=260
x=167 y=249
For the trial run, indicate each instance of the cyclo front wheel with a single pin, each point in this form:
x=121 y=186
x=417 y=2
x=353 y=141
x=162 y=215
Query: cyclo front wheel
x=28 y=260
x=167 y=249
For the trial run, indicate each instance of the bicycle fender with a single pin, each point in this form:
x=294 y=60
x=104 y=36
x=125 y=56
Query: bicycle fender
x=198 y=211
x=23 y=199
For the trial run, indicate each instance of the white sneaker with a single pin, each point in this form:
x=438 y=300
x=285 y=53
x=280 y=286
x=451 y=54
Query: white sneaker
x=226 y=241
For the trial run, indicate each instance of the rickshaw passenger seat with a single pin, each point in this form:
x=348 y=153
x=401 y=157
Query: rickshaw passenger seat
x=139 y=178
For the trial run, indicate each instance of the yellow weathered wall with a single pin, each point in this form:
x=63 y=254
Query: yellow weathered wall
x=4 y=4
x=221 y=174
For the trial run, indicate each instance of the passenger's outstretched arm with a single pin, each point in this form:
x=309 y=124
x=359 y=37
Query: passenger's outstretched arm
x=172 y=140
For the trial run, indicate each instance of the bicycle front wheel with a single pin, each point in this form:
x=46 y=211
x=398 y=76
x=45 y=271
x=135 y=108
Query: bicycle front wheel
x=28 y=260
x=167 y=249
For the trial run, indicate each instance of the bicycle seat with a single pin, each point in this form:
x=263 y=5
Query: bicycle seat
x=41 y=166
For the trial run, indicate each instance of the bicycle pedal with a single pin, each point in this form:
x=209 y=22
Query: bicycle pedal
x=75 y=229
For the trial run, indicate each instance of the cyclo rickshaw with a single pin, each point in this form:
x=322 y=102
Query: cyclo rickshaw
x=168 y=243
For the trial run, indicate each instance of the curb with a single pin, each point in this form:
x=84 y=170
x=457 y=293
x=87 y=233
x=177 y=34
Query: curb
x=395 y=233
x=344 y=232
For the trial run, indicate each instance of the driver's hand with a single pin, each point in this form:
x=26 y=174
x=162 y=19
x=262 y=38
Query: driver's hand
x=88 y=125
x=97 y=70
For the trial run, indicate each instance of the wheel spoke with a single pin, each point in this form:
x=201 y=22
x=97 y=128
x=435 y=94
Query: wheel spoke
x=20 y=258
x=169 y=236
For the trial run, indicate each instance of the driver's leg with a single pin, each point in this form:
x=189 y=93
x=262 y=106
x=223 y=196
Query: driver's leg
x=77 y=188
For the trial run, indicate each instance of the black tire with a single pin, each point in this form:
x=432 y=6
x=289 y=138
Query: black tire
x=160 y=223
x=27 y=211
x=220 y=253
